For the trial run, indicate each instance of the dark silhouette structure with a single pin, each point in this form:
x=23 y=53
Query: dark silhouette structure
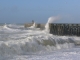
x=65 y=29
x=32 y=21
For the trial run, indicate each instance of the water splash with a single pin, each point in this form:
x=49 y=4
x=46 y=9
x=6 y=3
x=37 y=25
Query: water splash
x=6 y=27
x=22 y=42
x=51 y=20
x=34 y=25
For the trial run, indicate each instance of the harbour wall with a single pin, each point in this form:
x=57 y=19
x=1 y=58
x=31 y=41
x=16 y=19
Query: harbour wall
x=38 y=25
x=64 y=29
x=59 y=28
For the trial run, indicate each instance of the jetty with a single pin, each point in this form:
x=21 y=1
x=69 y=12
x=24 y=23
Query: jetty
x=37 y=25
x=59 y=28
x=64 y=29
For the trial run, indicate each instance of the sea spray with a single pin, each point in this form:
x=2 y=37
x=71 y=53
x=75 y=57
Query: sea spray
x=51 y=20
x=29 y=42
x=33 y=26
x=6 y=27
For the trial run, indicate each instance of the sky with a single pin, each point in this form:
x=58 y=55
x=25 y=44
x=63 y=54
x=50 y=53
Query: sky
x=24 y=11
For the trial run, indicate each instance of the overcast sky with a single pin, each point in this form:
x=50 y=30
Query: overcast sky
x=22 y=11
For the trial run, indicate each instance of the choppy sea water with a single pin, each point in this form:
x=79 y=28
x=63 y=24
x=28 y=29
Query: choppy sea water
x=19 y=43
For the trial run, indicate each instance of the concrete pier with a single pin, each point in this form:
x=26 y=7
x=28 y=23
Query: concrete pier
x=65 y=29
x=59 y=29
x=37 y=25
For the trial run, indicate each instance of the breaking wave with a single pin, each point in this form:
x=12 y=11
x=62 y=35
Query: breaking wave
x=16 y=40
x=32 y=41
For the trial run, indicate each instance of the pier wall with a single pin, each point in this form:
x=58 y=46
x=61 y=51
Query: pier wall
x=65 y=29
x=59 y=29
x=27 y=25
x=38 y=25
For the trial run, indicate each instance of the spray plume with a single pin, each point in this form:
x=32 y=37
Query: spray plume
x=51 y=20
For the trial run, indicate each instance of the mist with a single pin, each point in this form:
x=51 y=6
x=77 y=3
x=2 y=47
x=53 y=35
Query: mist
x=52 y=19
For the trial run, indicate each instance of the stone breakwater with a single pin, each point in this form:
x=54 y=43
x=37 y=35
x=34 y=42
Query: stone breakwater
x=38 y=25
x=65 y=29
x=59 y=29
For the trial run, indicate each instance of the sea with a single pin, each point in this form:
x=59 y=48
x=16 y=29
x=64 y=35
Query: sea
x=31 y=43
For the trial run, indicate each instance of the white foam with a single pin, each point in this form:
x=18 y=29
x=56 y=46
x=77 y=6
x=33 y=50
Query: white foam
x=6 y=29
x=33 y=26
x=32 y=42
x=15 y=26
